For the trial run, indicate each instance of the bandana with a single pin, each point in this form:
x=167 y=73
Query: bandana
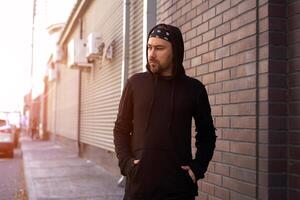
x=161 y=33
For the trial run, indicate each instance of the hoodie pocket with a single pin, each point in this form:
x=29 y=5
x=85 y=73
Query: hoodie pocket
x=143 y=178
x=132 y=174
x=189 y=181
x=134 y=180
x=187 y=176
x=133 y=170
x=178 y=182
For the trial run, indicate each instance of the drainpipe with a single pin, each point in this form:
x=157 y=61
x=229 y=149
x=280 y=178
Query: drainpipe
x=149 y=20
x=78 y=116
x=125 y=63
x=55 y=111
x=125 y=60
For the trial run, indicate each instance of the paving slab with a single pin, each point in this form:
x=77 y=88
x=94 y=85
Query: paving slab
x=54 y=172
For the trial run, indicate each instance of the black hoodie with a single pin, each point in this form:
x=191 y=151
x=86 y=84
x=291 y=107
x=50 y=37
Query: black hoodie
x=154 y=126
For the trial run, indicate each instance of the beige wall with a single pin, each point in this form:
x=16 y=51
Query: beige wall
x=51 y=107
x=67 y=103
x=62 y=105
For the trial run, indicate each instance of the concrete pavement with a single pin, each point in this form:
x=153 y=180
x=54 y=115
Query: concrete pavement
x=54 y=172
x=11 y=178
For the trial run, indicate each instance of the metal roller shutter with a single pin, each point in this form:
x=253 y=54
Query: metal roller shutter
x=136 y=38
x=100 y=88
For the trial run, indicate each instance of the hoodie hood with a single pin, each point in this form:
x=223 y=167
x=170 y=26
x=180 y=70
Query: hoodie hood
x=177 y=48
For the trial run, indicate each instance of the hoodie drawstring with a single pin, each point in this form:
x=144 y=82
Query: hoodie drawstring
x=172 y=105
x=172 y=100
x=152 y=103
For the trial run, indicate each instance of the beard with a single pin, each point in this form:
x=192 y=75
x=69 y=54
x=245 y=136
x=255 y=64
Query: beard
x=156 y=68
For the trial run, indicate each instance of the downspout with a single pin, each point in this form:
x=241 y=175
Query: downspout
x=79 y=96
x=126 y=23
x=149 y=20
x=125 y=59
x=257 y=102
x=79 y=115
x=55 y=112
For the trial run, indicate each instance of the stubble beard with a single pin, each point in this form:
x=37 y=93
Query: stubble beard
x=156 y=68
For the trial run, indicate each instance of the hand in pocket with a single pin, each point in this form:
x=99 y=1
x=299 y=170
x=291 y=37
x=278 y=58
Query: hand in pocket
x=136 y=162
x=191 y=173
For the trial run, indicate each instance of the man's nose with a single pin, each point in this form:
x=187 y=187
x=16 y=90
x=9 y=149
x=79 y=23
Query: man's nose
x=152 y=53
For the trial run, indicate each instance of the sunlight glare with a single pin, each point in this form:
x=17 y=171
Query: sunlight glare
x=15 y=52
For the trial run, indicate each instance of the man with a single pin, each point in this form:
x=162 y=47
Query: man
x=152 y=133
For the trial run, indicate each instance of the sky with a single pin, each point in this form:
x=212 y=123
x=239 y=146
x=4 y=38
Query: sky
x=15 y=52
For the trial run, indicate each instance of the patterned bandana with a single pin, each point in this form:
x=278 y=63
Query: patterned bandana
x=161 y=33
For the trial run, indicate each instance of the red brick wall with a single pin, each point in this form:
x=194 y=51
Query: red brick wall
x=293 y=54
x=220 y=42
x=258 y=146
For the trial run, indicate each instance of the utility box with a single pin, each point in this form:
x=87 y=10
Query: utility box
x=58 y=54
x=76 y=54
x=95 y=47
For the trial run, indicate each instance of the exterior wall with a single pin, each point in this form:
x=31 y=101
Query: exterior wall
x=67 y=101
x=51 y=108
x=221 y=51
x=62 y=103
x=293 y=55
x=62 y=87
x=251 y=71
x=273 y=149
x=101 y=87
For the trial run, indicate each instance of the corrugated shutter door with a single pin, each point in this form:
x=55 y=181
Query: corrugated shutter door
x=100 y=88
x=136 y=37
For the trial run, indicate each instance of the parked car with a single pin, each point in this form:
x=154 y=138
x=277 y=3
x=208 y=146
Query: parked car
x=7 y=138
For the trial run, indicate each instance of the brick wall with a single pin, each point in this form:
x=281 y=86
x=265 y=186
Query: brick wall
x=220 y=43
x=251 y=71
x=293 y=54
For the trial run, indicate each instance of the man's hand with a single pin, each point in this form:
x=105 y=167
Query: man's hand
x=136 y=162
x=191 y=173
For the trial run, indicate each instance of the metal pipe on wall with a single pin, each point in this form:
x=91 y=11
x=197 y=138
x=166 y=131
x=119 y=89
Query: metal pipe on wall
x=149 y=20
x=125 y=60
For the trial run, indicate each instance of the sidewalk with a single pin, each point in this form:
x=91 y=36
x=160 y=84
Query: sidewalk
x=54 y=172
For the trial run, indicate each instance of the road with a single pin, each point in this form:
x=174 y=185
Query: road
x=12 y=183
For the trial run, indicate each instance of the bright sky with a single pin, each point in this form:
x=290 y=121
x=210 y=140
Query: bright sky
x=15 y=52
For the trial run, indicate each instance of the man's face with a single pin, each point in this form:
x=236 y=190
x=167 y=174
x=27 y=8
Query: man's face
x=160 y=56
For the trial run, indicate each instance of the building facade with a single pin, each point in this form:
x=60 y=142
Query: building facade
x=44 y=71
x=246 y=52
